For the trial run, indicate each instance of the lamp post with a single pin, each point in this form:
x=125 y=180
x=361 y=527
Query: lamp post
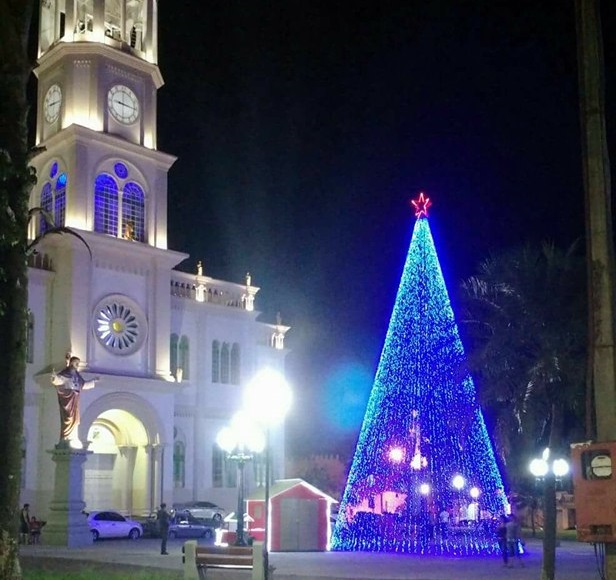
x=268 y=399
x=241 y=440
x=543 y=470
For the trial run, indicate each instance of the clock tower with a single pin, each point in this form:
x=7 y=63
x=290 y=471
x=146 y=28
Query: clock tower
x=100 y=174
x=111 y=294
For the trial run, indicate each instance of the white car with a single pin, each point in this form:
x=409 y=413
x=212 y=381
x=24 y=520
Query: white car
x=203 y=510
x=113 y=525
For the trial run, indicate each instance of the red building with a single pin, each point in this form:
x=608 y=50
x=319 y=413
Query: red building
x=299 y=516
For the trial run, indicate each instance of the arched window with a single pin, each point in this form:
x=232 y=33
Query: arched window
x=119 y=205
x=47 y=205
x=60 y=200
x=30 y=337
x=215 y=362
x=133 y=211
x=173 y=354
x=235 y=364
x=106 y=205
x=224 y=470
x=53 y=199
x=184 y=358
x=179 y=461
x=218 y=465
x=224 y=363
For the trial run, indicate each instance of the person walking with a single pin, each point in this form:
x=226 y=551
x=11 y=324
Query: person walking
x=513 y=539
x=162 y=516
x=501 y=536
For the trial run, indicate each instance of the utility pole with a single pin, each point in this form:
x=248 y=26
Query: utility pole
x=600 y=250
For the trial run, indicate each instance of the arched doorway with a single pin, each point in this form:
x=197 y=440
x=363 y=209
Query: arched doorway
x=123 y=472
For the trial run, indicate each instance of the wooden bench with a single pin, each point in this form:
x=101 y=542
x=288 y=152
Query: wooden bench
x=204 y=557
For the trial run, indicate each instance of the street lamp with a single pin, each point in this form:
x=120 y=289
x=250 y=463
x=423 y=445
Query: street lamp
x=241 y=440
x=540 y=468
x=268 y=398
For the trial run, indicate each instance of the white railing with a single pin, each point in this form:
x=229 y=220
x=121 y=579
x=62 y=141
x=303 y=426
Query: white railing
x=209 y=290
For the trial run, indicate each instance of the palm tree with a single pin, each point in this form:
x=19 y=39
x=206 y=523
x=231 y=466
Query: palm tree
x=525 y=326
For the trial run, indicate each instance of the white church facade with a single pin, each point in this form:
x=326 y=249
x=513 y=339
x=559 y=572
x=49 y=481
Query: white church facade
x=173 y=350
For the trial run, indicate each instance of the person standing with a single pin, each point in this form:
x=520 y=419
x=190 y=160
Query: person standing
x=513 y=538
x=162 y=516
x=24 y=524
x=501 y=536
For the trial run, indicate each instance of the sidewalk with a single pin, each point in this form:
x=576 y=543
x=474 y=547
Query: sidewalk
x=574 y=561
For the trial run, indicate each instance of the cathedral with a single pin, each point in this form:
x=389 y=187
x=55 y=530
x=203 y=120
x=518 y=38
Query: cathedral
x=172 y=351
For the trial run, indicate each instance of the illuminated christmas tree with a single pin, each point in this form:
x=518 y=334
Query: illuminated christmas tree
x=424 y=478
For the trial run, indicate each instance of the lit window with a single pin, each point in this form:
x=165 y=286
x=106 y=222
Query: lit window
x=132 y=210
x=106 y=205
x=119 y=205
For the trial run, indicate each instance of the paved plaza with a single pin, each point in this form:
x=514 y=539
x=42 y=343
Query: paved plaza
x=574 y=561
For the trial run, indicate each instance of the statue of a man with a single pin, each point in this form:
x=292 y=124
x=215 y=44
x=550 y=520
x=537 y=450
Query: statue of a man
x=69 y=383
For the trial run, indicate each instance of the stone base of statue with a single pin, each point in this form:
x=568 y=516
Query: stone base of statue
x=67 y=525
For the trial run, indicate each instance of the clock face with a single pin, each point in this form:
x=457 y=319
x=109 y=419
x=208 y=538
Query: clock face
x=52 y=103
x=123 y=104
x=119 y=324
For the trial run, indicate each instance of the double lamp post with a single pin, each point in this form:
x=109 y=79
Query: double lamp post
x=267 y=400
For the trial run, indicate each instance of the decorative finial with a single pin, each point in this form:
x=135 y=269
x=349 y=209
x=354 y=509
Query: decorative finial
x=278 y=319
x=248 y=279
x=421 y=205
x=199 y=268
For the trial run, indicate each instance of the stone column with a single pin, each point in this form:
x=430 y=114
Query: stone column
x=67 y=524
x=126 y=470
x=154 y=453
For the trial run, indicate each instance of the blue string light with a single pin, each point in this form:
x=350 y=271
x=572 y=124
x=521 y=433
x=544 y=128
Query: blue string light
x=424 y=479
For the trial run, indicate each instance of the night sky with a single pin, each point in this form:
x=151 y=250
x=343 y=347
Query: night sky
x=302 y=130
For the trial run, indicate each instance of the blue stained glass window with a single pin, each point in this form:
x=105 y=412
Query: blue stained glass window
x=121 y=170
x=133 y=210
x=47 y=205
x=106 y=205
x=60 y=200
x=54 y=169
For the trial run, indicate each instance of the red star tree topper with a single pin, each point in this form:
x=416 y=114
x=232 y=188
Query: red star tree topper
x=421 y=205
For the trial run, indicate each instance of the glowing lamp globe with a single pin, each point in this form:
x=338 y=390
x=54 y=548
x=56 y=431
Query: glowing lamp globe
x=396 y=454
x=458 y=482
x=268 y=397
x=539 y=467
x=560 y=467
x=424 y=489
x=474 y=492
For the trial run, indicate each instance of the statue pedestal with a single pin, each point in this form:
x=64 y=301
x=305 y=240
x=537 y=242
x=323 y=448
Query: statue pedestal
x=67 y=524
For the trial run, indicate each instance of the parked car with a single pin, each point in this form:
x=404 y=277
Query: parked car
x=203 y=510
x=108 y=524
x=184 y=525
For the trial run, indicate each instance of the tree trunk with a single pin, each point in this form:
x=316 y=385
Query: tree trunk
x=548 y=565
x=15 y=185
